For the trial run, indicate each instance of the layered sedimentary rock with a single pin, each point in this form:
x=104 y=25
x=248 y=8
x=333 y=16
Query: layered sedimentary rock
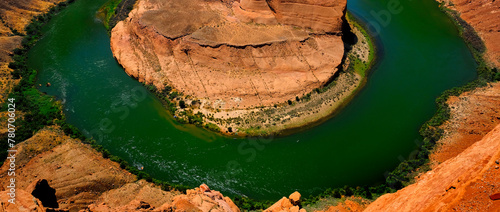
x=232 y=54
x=463 y=183
x=78 y=173
x=58 y=172
x=322 y=16
x=14 y=16
x=473 y=115
x=483 y=16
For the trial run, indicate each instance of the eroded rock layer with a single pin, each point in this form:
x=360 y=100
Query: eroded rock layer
x=54 y=172
x=232 y=54
x=14 y=16
x=483 y=16
x=462 y=183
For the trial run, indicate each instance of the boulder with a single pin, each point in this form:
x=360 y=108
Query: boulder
x=295 y=198
x=321 y=16
x=204 y=188
x=160 y=43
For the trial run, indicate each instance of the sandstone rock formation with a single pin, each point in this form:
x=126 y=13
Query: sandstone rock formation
x=462 y=183
x=77 y=172
x=483 y=16
x=135 y=196
x=322 y=16
x=473 y=115
x=153 y=199
x=57 y=172
x=217 y=56
x=290 y=204
x=14 y=16
x=351 y=204
x=202 y=199
x=24 y=202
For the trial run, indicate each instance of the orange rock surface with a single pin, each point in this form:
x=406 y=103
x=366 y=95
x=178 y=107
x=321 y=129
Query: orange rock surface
x=77 y=172
x=142 y=196
x=83 y=180
x=15 y=15
x=218 y=57
x=322 y=16
x=24 y=201
x=483 y=16
x=462 y=183
x=473 y=115
x=291 y=204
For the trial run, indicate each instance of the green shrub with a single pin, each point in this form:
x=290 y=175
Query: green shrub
x=182 y=104
x=212 y=127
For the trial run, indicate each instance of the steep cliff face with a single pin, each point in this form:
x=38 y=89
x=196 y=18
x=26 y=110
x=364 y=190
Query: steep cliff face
x=232 y=54
x=322 y=16
x=483 y=16
x=473 y=115
x=78 y=173
x=463 y=183
x=466 y=161
x=14 y=16
x=55 y=171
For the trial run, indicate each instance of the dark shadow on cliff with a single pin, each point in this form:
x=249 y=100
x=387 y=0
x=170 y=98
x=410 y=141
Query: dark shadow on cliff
x=349 y=39
x=46 y=194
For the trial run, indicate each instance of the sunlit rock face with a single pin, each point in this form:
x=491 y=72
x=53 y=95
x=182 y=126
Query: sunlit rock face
x=232 y=54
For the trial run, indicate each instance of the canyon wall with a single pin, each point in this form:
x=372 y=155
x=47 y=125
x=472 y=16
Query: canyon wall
x=55 y=171
x=14 y=16
x=465 y=163
x=483 y=16
x=462 y=183
x=232 y=54
x=321 y=16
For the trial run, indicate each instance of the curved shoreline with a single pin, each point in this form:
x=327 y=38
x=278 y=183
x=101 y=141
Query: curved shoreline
x=354 y=92
x=299 y=114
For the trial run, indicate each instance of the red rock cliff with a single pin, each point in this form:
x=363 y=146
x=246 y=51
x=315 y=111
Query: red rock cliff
x=232 y=54
x=484 y=17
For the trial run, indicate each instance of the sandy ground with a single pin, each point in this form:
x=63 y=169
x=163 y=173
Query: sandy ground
x=15 y=15
x=302 y=113
x=474 y=114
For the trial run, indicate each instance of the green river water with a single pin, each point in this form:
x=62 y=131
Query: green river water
x=420 y=55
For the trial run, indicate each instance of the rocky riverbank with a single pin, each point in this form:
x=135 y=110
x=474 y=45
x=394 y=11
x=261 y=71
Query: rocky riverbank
x=481 y=17
x=57 y=172
x=465 y=180
x=14 y=16
x=246 y=67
